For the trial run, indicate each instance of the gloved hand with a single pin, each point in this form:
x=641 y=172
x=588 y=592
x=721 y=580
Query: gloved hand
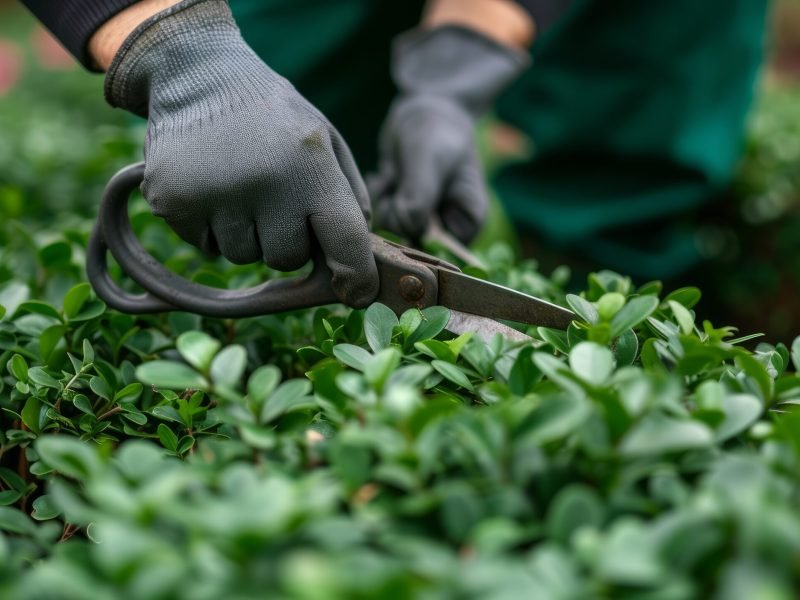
x=237 y=161
x=447 y=77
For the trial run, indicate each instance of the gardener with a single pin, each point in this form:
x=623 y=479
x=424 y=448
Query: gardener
x=239 y=163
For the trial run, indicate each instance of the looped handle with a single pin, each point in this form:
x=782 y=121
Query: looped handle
x=166 y=291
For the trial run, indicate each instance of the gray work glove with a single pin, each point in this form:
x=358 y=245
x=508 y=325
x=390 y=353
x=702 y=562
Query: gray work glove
x=447 y=77
x=237 y=162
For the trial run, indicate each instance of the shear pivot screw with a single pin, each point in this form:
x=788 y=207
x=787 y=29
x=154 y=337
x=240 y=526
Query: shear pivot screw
x=411 y=288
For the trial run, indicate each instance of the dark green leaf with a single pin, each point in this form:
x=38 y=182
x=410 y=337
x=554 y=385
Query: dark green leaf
x=44 y=508
x=75 y=299
x=452 y=373
x=168 y=438
x=18 y=368
x=583 y=308
x=686 y=296
x=633 y=313
x=379 y=321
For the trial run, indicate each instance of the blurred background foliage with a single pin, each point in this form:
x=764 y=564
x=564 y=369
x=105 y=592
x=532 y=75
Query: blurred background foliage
x=59 y=143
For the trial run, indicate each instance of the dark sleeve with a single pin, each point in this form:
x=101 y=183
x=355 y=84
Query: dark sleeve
x=73 y=22
x=545 y=12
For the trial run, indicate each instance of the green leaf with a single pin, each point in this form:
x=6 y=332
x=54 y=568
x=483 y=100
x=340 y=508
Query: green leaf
x=629 y=556
x=741 y=411
x=452 y=373
x=69 y=456
x=40 y=308
x=15 y=521
x=170 y=375
x=8 y=497
x=688 y=297
x=228 y=366
x=436 y=349
x=168 y=438
x=591 y=362
x=758 y=372
x=82 y=403
x=609 y=305
x=31 y=413
x=75 y=299
x=456 y=345
x=583 y=308
x=198 y=349
x=409 y=321
x=99 y=386
x=39 y=377
x=354 y=357
x=634 y=312
x=56 y=254
x=625 y=348
x=682 y=316
x=44 y=508
x=12 y=294
x=434 y=320
x=796 y=353
x=556 y=417
x=262 y=383
x=574 y=507
x=556 y=338
x=130 y=393
x=524 y=374
x=49 y=340
x=288 y=396
x=660 y=434
x=379 y=321
x=88 y=353
x=380 y=366
x=90 y=310
x=18 y=368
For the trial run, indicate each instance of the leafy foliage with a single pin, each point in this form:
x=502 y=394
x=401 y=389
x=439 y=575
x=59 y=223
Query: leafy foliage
x=340 y=453
x=643 y=453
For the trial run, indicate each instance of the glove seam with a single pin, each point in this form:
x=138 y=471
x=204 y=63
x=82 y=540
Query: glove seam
x=112 y=74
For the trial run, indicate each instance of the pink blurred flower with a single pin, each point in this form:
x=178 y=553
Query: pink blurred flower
x=50 y=54
x=10 y=66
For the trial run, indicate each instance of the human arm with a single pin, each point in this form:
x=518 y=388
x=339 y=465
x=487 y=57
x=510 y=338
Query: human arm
x=448 y=72
x=237 y=162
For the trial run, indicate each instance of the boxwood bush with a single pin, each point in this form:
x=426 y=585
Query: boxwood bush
x=354 y=454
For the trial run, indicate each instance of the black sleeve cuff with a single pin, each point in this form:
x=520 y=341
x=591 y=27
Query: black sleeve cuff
x=545 y=12
x=73 y=22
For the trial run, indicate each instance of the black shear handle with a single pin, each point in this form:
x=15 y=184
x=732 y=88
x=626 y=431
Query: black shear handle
x=166 y=291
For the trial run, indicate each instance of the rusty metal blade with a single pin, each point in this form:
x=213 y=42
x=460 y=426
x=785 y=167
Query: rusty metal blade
x=467 y=294
x=483 y=327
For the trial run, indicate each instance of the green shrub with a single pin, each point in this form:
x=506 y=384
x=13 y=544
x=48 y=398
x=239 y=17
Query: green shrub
x=347 y=454
x=353 y=454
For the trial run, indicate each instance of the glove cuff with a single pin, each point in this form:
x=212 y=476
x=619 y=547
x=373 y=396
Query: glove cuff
x=457 y=63
x=188 y=54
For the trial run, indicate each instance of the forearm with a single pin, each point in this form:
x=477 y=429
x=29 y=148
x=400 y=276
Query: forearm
x=105 y=42
x=504 y=21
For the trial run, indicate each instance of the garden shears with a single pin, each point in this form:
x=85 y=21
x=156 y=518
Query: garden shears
x=409 y=278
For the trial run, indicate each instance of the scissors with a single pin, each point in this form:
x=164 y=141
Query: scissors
x=409 y=278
